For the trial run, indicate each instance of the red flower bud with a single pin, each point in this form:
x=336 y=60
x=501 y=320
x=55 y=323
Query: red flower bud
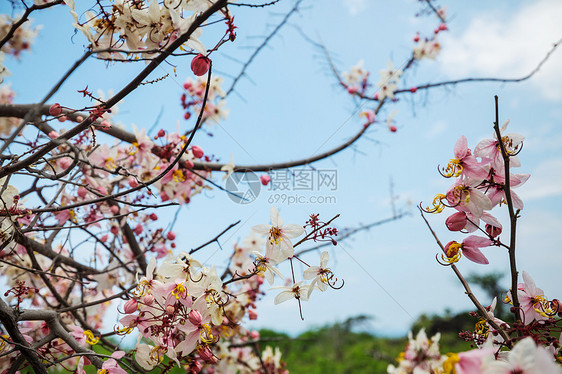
x=197 y=151
x=456 y=222
x=55 y=110
x=148 y=299
x=200 y=65
x=161 y=133
x=131 y=306
x=492 y=230
x=195 y=317
x=265 y=179
x=252 y=314
x=170 y=235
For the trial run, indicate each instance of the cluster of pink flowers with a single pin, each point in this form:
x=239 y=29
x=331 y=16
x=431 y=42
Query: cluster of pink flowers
x=22 y=38
x=531 y=343
x=357 y=84
x=192 y=99
x=478 y=188
x=422 y=356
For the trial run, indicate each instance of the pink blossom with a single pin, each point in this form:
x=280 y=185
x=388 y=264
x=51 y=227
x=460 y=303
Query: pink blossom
x=533 y=303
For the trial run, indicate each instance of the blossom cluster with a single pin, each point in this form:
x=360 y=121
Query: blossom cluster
x=192 y=99
x=21 y=40
x=145 y=27
x=357 y=84
x=422 y=356
x=480 y=186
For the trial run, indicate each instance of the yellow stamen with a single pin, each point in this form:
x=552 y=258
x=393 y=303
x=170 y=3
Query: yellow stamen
x=449 y=364
x=437 y=204
x=206 y=334
x=90 y=338
x=542 y=306
x=260 y=265
x=157 y=354
x=179 y=291
x=275 y=235
x=178 y=176
x=453 y=169
x=3 y=342
x=110 y=163
x=124 y=331
x=453 y=253
x=481 y=328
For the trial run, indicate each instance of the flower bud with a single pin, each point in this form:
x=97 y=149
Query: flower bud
x=200 y=65
x=153 y=216
x=195 y=367
x=114 y=209
x=62 y=118
x=161 y=133
x=148 y=299
x=255 y=335
x=493 y=231
x=53 y=134
x=456 y=222
x=392 y=128
x=55 y=109
x=417 y=38
x=195 y=317
x=170 y=309
x=265 y=179
x=197 y=151
x=131 y=306
x=170 y=235
x=82 y=192
x=138 y=229
x=206 y=354
x=252 y=314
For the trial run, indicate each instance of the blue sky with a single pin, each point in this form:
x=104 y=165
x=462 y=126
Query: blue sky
x=290 y=107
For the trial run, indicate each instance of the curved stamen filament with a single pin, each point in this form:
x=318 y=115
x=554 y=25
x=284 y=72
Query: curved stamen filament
x=454 y=168
x=206 y=334
x=90 y=338
x=437 y=204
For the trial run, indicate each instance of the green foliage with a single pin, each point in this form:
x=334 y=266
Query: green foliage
x=342 y=348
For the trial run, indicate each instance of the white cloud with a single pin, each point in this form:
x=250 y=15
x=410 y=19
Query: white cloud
x=545 y=181
x=436 y=129
x=510 y=45
x=355 y=6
